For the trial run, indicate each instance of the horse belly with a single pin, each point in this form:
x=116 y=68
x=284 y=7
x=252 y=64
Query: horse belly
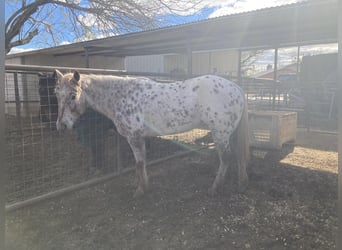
x=170 y=126
x=170 y=121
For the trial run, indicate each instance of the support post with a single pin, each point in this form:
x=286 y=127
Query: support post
x=239 y=77
x=17 y=100
x=86 y=57
x=2 y=126
x=275 y=76
x=189 y=59
x=339 y=85
x=298 y=63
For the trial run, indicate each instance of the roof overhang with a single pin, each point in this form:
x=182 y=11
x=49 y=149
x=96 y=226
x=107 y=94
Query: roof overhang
x=304 y=23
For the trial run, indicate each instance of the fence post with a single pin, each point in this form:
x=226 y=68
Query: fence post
x=17 y=100
x=2 y=125
x=118 y=152
x=275 y=76
x=239 y=72
x=339 y=86
x=189 y=59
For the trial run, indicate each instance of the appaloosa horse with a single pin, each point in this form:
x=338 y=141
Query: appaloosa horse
x=91 y=127
x=141 y=107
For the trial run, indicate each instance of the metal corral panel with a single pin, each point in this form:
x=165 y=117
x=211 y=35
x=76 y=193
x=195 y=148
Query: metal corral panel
x=271 y=129
x=21 y=90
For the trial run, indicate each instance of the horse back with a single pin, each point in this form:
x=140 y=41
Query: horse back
x=195 y=103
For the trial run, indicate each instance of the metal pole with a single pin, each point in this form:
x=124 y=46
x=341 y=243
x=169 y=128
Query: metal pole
x=17 y=100
x=87 y=57
x=239 y=77
x=339 y=84
x=2 y=125
x=189 y=58
x=275 y=76
x=298 y=63
x=39 y=68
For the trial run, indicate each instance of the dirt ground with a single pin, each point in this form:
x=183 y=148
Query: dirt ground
x=289 y=204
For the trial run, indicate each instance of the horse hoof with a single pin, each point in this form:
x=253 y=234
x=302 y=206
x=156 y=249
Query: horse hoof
x=138 y=193
x=243 y=186
x=94 y=171
x=212 y=192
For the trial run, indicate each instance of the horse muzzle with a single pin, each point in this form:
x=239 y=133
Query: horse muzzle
x=63 y=124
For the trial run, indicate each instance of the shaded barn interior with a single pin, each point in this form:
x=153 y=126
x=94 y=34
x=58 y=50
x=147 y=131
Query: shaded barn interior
x=318 y=78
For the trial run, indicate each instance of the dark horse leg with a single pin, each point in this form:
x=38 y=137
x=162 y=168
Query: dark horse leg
x=97 y=153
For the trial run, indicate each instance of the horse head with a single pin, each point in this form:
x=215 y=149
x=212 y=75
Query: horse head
x=71 y=103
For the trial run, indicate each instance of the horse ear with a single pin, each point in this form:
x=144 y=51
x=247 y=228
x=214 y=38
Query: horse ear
x=77 y=76
x=57 y=74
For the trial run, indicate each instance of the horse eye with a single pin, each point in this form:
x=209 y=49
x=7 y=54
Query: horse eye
x=73 y=97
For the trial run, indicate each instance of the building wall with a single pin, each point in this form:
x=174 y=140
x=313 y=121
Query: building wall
x=175 y=64
x=104 y=62
x=16 y=60
x=101 y=62
x=224 y=62
x=152 y=63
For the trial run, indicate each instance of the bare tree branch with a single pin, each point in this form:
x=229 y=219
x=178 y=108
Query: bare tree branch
x=248 y=60
x=26 y=39
x=84 y=18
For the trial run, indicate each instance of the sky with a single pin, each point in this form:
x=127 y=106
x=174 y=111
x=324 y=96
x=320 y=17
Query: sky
x=207 y=9
x=212 y=9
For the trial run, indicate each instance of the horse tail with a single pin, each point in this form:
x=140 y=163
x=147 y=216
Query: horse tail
x=242 y=147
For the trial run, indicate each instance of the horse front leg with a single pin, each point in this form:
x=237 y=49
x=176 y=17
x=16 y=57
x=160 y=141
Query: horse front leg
x=137 y=145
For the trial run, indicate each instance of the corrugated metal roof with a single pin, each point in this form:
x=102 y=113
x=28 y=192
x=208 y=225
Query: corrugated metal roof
x=307 y=22
x=300 y=2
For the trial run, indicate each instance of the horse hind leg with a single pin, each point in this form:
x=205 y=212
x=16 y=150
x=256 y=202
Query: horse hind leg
x=222 y=170
x=242 y=167
x=137 y=145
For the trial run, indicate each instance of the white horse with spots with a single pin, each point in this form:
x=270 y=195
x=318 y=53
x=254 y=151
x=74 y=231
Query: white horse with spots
x=141 y=107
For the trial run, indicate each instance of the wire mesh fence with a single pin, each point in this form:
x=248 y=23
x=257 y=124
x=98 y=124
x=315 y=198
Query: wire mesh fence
x=315 y=102
x=41 y=160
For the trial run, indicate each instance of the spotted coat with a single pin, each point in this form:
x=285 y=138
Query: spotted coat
x=141 y=107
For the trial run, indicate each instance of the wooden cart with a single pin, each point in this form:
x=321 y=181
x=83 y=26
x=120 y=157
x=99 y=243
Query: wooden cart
x=272 y=132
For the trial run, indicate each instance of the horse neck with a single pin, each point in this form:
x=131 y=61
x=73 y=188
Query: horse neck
x=95 y=93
